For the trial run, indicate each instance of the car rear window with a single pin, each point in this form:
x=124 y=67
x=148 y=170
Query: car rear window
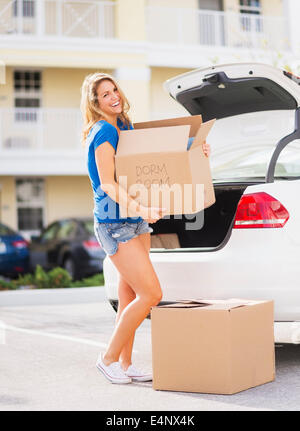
x=242 y=146
x=89 y=226
x=288 y=163
x=5 y=230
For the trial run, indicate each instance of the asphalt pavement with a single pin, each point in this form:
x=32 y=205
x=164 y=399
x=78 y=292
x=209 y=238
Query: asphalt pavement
x=49 y=342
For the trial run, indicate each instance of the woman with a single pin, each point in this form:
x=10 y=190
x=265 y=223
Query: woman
x=126 y=241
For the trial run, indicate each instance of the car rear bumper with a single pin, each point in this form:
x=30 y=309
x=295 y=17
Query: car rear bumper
x=284 y=332
x=252 y=266
x=15 y=266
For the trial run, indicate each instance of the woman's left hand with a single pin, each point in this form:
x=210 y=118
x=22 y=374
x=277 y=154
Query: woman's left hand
x=206 y=149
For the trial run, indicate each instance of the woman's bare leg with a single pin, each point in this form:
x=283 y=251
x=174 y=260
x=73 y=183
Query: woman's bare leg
x=134 y=265
x=126 y=295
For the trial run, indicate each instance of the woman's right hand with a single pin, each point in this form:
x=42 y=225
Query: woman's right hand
x=151 y=214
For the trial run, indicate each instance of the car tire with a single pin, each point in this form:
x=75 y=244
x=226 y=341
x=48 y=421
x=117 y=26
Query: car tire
x=70 y=266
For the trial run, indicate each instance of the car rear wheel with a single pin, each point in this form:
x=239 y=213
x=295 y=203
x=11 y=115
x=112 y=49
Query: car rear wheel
x=69 y=265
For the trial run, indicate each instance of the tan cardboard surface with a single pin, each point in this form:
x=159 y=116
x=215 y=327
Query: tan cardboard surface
x=157 y=158
x=159 y=140
x=184 y=342
x=201 y=174
x=193 y=120
x=157 y=172
x=261 y=359
x=202 y=133
x=222 y=304
x=213 y=346
x=165 y=240
x=155 y=169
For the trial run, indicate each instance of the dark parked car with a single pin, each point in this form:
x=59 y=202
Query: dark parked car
x=68 y=243
x=14 y=255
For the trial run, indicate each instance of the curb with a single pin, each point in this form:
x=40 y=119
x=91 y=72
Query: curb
x=69 y=295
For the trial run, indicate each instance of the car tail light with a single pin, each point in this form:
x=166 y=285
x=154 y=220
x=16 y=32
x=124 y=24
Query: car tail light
x=91 y=244
x=19 y=268
x=260 y=210
x=20 y=243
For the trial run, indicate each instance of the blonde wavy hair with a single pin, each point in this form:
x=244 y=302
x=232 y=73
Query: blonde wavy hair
x=89 y=105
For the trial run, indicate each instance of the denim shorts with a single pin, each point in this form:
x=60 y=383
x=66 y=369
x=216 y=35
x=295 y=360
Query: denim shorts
x=110 y=234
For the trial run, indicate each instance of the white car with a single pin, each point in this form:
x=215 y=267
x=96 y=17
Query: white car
x=249 y=245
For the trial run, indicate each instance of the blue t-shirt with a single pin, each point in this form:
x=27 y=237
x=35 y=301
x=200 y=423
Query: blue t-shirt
x=190 y=141
x=106 y=210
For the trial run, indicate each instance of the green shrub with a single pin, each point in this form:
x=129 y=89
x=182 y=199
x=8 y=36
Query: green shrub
x=24 y=280
x=95 y=280
x=56 y=278
x=59 y=277
x=7 y=285
x=41 y=279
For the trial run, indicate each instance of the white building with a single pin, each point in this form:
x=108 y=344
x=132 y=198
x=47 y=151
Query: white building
x=49 y=46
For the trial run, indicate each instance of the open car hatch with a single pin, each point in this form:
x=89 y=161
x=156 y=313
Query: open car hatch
x=234 y=89
x=230 y=90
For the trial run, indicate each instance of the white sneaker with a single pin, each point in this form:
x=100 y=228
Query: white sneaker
x=113 y=372
x=137 y=375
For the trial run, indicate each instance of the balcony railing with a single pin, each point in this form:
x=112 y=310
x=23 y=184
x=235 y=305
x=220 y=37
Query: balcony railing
x=59 y=18
x=186 y=26
x=95 y=19
x=39 y=129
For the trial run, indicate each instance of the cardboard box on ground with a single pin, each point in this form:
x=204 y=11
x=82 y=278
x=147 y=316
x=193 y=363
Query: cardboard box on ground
x=154 y=156
x=213 y=346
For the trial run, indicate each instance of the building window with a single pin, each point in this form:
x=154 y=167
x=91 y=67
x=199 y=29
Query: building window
x=248 y=22
x=211 y=22
x=26 y=8
x=30 y=195
x=250 y=6
x=27 y=87
x=210 y=4
x=27 y=80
